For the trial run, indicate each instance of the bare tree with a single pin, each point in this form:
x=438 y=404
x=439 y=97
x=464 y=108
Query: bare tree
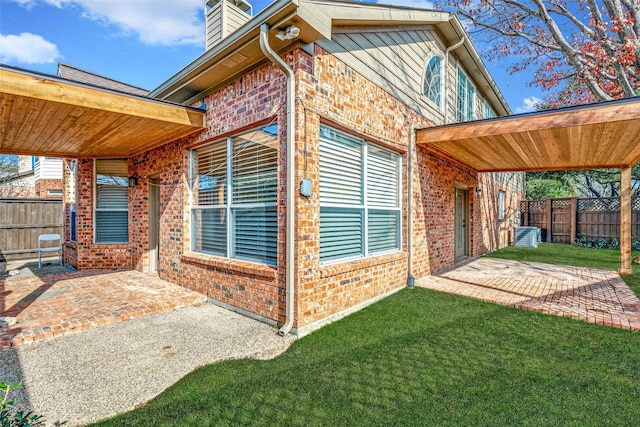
x=583 y=50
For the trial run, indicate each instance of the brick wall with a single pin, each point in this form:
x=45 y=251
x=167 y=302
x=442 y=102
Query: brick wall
x=496 y=232
x=45 y=188
x=329 y=92
x=251 y=101
x=91 y=255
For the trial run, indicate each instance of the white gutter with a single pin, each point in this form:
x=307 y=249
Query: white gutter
x=412 y=148
x=290 y=220
x=446 y=73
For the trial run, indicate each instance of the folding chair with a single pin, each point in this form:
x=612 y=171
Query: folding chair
x=49 y=238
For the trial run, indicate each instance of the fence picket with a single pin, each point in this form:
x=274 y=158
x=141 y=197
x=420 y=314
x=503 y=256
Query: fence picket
x=565 y=220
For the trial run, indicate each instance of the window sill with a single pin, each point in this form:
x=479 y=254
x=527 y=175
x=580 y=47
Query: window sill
x=231 y=266
x=347 y=266
x=110 y=245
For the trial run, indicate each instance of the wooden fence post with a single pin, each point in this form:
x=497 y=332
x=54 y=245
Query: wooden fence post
x=549 y=220
x=573 y=220
x=525 y=214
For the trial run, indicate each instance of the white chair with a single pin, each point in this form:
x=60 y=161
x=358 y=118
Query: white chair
x=49 y=238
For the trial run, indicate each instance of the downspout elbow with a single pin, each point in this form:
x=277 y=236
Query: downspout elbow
x=290 y=218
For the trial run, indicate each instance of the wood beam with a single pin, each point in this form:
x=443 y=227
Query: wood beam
x=53 y=90
x=534 y=122
x=625 y=221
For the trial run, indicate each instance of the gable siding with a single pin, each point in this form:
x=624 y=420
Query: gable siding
x=392 y=59
x=395 y=60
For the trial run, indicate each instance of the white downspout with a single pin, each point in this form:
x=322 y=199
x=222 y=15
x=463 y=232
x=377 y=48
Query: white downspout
x=412 y=148
x=446 y=73
x=290 y=220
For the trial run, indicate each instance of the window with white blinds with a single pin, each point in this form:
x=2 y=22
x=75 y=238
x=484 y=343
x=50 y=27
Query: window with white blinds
x=112 y=196
x=235 y=186
x=359 y=197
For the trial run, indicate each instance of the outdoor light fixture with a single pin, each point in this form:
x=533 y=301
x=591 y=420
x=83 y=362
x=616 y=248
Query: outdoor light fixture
x=291 y=32
x=133 y=181
x=478 y=192
x=72 y=165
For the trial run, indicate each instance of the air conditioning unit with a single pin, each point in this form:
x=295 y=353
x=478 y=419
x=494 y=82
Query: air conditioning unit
x=527 y=237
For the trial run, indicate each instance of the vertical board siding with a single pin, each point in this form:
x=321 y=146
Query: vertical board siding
x=22 y=221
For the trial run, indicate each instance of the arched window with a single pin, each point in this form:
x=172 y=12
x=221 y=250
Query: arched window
x=433 y=81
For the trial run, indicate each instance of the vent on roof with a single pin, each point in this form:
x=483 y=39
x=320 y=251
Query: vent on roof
x=223 y=17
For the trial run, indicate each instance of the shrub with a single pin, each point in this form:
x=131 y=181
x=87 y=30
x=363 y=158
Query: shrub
x=599 y=243
x=9 y=415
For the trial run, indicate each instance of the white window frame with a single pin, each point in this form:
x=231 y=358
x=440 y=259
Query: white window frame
x=366 y=207
x=488 y=111
x=469 y=101
x=96 y=209
x=441 y=84
x=502 y=199
x=231 y=208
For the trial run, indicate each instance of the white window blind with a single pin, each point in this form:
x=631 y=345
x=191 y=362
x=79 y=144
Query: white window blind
x=243 y=225
x=359 y=197
x=112 y=196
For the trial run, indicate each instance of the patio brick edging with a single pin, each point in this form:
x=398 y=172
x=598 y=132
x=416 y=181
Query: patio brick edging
x=31 y=328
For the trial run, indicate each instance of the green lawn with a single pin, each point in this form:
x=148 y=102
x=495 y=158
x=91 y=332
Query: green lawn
x=421 y=358
x=552 y=253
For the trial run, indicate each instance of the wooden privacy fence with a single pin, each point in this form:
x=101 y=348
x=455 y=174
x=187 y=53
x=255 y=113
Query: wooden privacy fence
x=565 y=220
x=22 y=221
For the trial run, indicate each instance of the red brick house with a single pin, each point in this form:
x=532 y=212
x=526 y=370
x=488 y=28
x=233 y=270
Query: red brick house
x=304 y=197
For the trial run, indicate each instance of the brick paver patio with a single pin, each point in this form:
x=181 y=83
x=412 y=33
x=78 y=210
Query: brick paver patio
x=50 y=305
x=595 y=296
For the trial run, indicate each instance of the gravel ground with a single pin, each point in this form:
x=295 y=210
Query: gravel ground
x=85 y=377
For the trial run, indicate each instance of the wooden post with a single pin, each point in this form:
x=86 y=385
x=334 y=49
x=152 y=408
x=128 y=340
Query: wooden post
x=525 y=214
x=549 y=221
x=625 y=221
x=573 y=221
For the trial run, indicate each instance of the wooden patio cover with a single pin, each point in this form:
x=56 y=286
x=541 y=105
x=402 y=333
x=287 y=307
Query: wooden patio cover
x=605 y=135
x=44 y=115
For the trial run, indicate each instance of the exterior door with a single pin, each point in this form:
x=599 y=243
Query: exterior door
x=154 y=224
x=461 y=224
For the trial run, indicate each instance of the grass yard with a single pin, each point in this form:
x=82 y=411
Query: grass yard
x=553 y=253
x=424 y=358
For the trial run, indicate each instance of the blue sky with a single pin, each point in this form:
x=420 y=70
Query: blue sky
x=142 y=42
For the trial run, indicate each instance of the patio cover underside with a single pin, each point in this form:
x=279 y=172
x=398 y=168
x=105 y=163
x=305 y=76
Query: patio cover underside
x=46 y=116
x=603 y=135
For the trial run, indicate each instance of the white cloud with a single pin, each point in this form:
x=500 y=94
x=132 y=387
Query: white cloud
x=528 y=105
x=155 y=22
x=27 y=48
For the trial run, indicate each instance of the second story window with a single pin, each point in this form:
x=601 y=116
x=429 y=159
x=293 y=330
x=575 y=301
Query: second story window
x=432 y=88
x=466 y=98
x=488 y=111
